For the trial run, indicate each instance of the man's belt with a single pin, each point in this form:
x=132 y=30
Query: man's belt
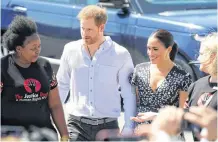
x=93 y=121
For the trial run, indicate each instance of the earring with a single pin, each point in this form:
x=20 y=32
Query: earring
x=166 y=57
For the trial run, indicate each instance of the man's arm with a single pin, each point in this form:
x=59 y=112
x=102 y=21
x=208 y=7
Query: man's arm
x=128 y=97
x=63 y=76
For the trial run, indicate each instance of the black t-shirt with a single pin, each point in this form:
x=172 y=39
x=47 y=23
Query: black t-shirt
x=24 y=93
x=202 y=89
x=200 y=93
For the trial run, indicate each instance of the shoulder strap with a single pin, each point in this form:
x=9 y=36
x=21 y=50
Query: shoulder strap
x=14 y=73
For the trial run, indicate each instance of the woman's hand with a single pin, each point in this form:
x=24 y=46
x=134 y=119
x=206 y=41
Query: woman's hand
x=142 y=117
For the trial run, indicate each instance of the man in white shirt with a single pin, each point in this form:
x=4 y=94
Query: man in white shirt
x=92 y=69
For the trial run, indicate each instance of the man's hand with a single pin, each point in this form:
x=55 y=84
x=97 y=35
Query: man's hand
x=204 y=117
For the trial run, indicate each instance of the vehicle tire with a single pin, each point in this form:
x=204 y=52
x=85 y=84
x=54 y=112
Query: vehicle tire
x=180 y=61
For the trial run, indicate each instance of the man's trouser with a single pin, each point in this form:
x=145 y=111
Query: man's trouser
x=91 y=129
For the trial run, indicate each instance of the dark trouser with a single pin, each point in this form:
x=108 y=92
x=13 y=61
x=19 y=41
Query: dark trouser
x=80 y=131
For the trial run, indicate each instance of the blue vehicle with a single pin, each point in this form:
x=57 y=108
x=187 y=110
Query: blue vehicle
x=130 y=22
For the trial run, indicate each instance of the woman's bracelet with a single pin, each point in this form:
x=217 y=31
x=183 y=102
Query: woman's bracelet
x=65 y=138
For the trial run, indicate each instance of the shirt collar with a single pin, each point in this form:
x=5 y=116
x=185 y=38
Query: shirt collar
x=208 y=88
x=107 y=43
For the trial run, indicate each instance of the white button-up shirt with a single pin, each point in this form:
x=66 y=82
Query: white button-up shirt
x=94 y=84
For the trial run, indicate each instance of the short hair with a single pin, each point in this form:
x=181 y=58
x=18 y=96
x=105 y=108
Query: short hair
x=93 y=11
x=210 y=44
x=20 y=28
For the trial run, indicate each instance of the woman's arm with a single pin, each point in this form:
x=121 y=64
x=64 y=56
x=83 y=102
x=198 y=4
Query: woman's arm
x=58 y=113
x=183 y=95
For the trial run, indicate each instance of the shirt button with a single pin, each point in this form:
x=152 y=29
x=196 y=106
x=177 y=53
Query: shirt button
x=90 y=90
x=90 y=77
x=91 y=65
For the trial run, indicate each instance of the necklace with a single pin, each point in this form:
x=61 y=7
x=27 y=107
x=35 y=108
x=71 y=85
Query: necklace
x=89 y=52
x=91 y=57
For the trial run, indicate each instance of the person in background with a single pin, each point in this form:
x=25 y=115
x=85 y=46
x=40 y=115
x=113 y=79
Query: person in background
x=203 y=92
x=92 y=69
x=29 y=92
x=169 y=122
x=160 y=82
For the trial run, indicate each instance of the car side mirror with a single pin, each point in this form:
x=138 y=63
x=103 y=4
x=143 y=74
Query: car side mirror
x=123 y=12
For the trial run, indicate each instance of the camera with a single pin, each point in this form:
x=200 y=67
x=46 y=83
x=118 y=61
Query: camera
x=33 y=133
x=13 y=133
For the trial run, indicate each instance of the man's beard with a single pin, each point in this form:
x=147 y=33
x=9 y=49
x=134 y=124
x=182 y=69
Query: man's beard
x=90 y=41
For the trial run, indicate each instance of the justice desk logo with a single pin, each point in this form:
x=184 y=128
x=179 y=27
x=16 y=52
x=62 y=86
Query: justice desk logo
x=32 y=88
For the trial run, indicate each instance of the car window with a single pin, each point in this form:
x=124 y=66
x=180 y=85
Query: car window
x=57 y=1
x=76 y=2
x=158 y=6
x=177 y=1
x=83 y=2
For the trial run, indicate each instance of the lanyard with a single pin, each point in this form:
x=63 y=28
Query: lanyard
x=205 y=99
x=208 y=100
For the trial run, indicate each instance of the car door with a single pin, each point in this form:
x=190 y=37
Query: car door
x=7 y=15
x=56 y=21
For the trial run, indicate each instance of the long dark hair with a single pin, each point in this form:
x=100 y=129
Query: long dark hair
x=167 y=39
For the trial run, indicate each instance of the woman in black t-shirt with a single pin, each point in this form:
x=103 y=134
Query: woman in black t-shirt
x=203 y=92
x=29 y=93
